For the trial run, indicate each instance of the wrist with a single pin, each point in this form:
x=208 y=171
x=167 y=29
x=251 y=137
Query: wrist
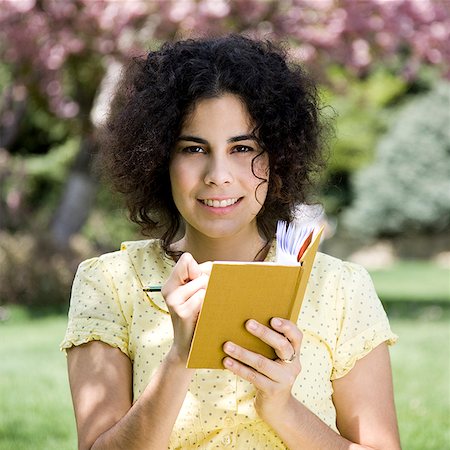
x=176 y=359
x=278 y=412
x=272 y=409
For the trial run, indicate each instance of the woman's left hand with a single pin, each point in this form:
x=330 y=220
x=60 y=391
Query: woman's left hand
x=273 y=379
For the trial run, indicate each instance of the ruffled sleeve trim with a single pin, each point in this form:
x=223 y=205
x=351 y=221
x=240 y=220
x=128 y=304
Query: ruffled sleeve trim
x=359 y=346
x=112 y=336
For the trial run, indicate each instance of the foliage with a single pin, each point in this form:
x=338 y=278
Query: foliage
x=56 y=53
x=31 y=184
x=408 y=186
x=56 y=49
x=353 y=34
x=107 y=225
x=32 y=274
x=363 y=107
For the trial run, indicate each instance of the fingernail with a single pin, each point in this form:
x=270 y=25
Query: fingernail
x=229 y=347
x=277 y=322
x=227 y=362
x=251 y=324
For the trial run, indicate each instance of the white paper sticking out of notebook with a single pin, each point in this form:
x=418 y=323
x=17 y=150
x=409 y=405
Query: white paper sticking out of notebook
x=292 y=241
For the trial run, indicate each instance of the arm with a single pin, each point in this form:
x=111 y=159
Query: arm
x=364 y=401
x=101 y=382
x=101 y=377
x=354 y=396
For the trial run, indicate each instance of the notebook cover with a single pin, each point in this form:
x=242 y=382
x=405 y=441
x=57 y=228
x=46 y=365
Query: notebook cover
x=240 y=291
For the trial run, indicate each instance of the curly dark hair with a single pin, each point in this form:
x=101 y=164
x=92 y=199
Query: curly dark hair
x=158 y=91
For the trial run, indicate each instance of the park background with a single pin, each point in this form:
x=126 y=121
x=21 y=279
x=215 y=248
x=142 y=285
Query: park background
x=382 y=65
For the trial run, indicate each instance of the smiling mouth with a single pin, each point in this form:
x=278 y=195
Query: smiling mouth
x=220 y=203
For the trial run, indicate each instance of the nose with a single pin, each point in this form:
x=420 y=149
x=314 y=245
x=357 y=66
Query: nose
x=218 y=171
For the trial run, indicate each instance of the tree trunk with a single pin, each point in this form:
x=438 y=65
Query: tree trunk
x=81 y=187
x=13 y=105
x=78 y=197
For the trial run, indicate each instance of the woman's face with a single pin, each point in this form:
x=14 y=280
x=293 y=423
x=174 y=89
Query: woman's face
x=213 y=185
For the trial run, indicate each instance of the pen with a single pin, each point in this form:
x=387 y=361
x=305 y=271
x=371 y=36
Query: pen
x=152 y=289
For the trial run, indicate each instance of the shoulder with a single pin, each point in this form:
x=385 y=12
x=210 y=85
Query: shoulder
x=341 y=282
x=128 y=250
x=327 y=263
x=141 y=259
x=327 y=271
x=343 y=271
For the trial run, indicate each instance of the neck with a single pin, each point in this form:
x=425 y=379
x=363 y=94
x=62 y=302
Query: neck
x=233 y=248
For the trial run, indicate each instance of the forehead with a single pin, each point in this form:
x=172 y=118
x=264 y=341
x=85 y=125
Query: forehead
x=227 y=111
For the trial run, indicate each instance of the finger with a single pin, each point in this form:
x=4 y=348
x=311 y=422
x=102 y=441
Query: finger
x=261 y=364
x=283 y=347
x=178 y=275
x=288 y=329
x=191 y=307
x=258 y=380
x=206 y=267
x=187 y=268
x=182 y=293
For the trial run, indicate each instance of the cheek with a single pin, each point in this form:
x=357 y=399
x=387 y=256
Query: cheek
x=178 y=176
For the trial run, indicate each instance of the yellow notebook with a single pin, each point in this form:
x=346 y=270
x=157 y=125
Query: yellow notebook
x=240 y=291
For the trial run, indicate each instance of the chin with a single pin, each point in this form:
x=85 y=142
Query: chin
x=219 y=234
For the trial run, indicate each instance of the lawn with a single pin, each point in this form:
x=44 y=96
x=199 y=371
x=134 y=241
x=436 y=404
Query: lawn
x=34 y=394
x=36 y=408
x=413 y=281
x=421 y=368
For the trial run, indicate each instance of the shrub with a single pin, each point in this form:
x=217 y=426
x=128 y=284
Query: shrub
x=408 y=185
x=33 y=274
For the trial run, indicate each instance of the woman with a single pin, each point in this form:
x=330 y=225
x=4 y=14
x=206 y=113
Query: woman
x=212 y=141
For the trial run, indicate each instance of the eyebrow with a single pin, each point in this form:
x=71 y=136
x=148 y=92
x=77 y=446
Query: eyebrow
x=242 y=137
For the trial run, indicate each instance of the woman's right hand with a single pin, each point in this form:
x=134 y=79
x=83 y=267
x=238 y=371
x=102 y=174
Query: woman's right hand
x=184 y=292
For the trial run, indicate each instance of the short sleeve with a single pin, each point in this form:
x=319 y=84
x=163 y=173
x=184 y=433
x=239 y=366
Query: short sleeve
x=95 y=313
x=363 y=323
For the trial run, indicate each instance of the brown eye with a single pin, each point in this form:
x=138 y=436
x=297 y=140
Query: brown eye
x=242 y=149
x=193 y=149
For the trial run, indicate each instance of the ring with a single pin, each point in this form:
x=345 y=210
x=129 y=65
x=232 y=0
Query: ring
x=290 y=360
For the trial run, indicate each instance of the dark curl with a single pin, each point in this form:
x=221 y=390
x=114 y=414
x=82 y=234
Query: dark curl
x=156 y=94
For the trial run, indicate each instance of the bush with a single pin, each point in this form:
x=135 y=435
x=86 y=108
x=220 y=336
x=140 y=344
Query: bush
x=33 y=274
x=363 y=107
x=408 y=186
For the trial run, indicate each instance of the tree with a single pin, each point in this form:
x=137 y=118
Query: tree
x=56 y=54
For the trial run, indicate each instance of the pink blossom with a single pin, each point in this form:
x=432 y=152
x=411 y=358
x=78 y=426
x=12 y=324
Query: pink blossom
x=361 y=53
x=40 y=40
x=20 y=6
x=214 y=8
x=54 y=88
x=179 y=11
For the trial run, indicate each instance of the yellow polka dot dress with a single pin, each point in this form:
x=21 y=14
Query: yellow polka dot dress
x=341 y=318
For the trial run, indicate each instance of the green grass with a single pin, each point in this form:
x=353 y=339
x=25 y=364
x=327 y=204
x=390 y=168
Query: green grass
x=421 y=369
x=36 y=411
x=34 y=394
x=413 y=281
